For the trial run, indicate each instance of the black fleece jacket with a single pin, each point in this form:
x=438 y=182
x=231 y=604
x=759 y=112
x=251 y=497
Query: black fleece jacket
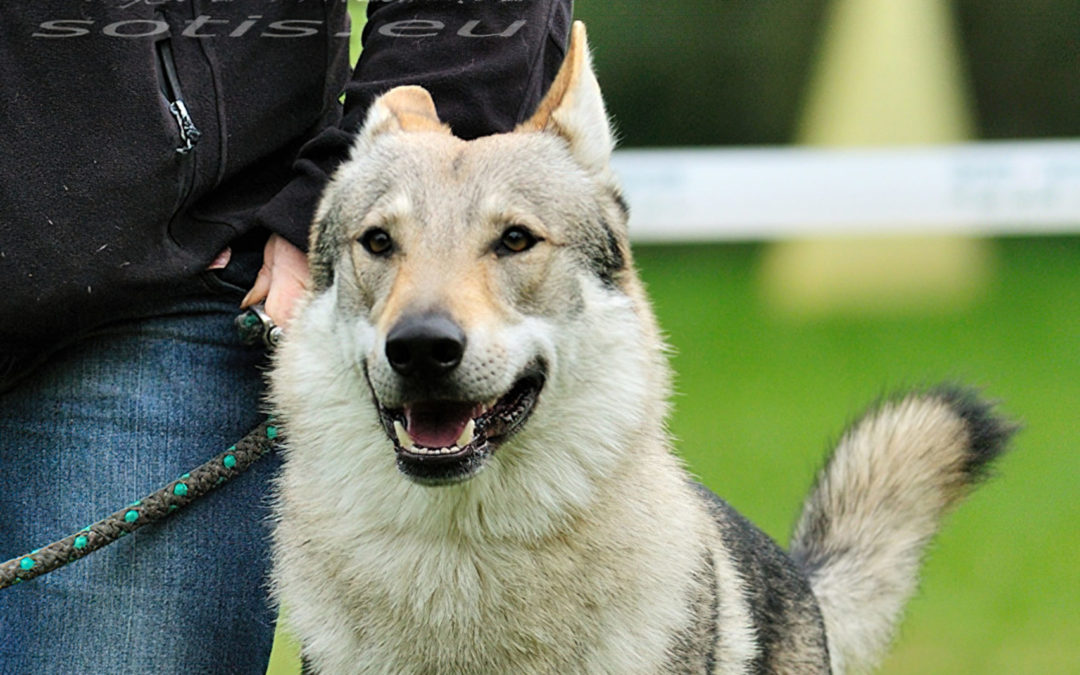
x=138 y=138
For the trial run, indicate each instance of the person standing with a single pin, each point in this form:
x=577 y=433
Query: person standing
x=159 y=166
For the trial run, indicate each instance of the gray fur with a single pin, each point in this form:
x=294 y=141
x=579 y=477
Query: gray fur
x=575 y=543
x=878 y=502
x=694 y=648
x=785 y=615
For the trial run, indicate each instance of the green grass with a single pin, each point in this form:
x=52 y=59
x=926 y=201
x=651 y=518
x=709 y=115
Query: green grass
x=761 y=395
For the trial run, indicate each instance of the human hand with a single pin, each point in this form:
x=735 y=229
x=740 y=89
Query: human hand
x=282 y=279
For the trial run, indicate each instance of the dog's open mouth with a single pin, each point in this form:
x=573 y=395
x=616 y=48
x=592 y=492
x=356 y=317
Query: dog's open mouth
x=443 y=442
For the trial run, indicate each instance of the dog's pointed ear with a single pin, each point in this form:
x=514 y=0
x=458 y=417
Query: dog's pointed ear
x=574 y=109
x=402 y=109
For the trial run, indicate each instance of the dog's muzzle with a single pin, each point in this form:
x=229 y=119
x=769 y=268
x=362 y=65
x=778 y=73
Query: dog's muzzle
x=440 y=434
x=425 y=346
x=441 y=442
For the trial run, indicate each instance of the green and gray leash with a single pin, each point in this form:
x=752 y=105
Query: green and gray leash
x=161 y=503
x=151 y=508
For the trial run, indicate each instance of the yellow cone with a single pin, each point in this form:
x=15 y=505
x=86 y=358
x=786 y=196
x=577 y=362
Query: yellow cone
x=889 y=73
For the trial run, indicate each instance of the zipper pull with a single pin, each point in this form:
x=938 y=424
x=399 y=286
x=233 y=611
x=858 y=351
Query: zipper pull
x=189 y=133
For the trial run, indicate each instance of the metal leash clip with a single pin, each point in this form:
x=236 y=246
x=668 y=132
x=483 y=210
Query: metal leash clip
x=255 y=326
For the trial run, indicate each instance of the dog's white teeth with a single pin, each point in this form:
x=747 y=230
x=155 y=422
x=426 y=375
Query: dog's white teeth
x=402 y=437
x=466 y=436
x=418 y=450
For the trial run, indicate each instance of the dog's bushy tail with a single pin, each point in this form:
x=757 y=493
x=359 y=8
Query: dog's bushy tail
x=878 y=502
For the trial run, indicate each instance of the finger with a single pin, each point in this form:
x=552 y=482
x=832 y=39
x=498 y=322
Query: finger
x=284 y=292
x=222 y=259
x=290 y=275
x=259 y=290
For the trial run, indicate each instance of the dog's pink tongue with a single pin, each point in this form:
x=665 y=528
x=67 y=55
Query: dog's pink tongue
x=437 y=424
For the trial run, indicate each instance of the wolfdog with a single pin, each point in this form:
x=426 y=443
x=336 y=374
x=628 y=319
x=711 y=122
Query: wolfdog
x=477 y=474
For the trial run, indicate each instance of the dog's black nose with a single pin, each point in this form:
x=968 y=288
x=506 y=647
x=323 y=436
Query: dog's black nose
x=425 y=345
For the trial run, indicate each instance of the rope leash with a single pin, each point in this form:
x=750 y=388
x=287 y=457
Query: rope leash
x=254 y=327
x=149 y=509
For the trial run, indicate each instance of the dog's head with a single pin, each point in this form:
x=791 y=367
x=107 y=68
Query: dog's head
x=482 y=290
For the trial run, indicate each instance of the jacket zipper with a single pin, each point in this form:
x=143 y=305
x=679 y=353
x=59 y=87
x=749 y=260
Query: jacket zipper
x=189 y=133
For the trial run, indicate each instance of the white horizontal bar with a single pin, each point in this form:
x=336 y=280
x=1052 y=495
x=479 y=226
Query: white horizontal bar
x=767 y=193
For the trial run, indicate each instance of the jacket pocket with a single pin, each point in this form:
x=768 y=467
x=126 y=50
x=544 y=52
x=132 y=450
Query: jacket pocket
x=187 y=133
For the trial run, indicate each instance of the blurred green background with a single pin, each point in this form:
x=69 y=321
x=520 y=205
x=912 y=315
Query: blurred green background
x=768 y=375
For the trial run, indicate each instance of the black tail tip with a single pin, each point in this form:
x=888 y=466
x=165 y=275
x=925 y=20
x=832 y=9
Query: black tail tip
x=990 y=432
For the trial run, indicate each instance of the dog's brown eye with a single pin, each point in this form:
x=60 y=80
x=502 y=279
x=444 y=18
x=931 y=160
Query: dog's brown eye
x=515 y=239
x=376 y=241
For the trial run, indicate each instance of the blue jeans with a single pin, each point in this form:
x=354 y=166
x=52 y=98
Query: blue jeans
x=102 y=423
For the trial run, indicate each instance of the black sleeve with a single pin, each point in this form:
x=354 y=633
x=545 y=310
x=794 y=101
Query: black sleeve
x=487 y=64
